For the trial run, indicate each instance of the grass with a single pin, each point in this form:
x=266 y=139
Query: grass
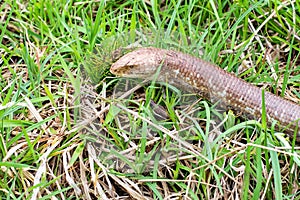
x=70 y=130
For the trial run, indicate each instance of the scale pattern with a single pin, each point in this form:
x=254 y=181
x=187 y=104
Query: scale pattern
x=211 y=82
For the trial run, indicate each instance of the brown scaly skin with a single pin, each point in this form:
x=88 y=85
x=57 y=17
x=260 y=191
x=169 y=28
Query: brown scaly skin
x=211 y=82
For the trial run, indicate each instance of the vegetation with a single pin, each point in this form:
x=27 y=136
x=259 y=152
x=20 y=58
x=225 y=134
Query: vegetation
x=70 y=130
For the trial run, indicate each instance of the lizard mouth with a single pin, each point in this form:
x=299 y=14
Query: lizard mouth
x=129 y=72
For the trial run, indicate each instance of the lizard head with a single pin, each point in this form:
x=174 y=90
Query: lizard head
x=140 y=63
